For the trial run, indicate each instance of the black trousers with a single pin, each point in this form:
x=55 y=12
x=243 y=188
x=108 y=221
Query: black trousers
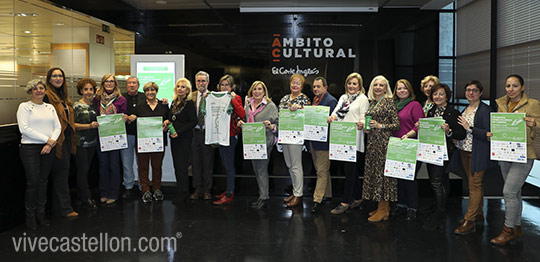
x=408 y=190
x=181 y=151
x=353 y=186
x=37 y=168
x=61 y=199
x=83 y=159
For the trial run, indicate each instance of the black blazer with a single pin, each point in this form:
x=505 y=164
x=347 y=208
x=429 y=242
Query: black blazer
x=451 y=115
x=185 y=121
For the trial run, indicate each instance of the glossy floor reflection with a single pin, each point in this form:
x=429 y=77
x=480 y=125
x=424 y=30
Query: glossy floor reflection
x=203 y=232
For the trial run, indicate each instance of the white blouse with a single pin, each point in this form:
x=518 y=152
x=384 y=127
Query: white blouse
x=37 y=123
x=357 y=113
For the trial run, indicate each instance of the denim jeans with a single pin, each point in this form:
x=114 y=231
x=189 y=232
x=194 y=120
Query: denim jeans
x=227 y=160
x=128 y=159
x=514 y=175
x=109 y=174
x=37 y=168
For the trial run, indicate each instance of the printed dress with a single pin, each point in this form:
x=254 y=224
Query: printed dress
x=376 y=186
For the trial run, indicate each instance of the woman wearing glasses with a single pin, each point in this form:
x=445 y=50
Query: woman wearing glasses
x=474 y=153
x=110 y=102
x=57 y=95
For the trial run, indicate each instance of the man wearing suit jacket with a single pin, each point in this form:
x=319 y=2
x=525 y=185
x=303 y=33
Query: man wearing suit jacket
x=319 y=150
x=202 y=155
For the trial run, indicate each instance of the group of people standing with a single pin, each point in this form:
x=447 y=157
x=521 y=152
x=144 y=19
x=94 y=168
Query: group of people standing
x=53 y=128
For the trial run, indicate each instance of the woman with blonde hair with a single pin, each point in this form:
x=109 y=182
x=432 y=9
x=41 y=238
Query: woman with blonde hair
x=425 y=86
x=409 y=112
x=293 y=153
x=352 y=107
x=183 y=117
x=110 y=102
x=384 y=120
x=260 y=108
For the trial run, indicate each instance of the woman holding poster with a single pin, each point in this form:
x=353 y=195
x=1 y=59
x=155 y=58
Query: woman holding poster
x=474 y=154
x=438 y=176
x=352 y=107
x=293 y=152
x=152 y=108
x=226 y=84
x=410 y=112
x=260 y=108
x=110 y=102
x=515 y=174
x=384 y=119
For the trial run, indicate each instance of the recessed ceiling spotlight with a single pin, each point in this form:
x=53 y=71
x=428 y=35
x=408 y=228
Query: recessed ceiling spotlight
x=59 y=23
x=27 y=32
x=161 y=2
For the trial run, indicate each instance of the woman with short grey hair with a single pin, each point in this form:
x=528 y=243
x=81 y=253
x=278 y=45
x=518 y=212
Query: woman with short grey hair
x=40 y=128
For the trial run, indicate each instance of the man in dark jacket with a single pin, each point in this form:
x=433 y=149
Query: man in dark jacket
x=319 y=150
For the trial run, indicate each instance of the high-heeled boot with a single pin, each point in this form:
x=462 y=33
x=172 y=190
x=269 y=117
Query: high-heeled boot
x=383 y=211
x=31 y=220
x=42 y=219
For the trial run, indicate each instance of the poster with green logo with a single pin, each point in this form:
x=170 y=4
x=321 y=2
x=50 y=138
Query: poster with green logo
x=343 y=141
x=254 y=140
x=509 y=140
x=291 y=127
x=112 y=132
x=315 y=125
x=150 y=134
x=401 y=158
x=432 y=141
x=162 y=73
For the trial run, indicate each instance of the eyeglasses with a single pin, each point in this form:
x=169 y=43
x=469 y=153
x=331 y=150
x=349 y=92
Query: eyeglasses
x=108 y=81
x=201 y=81
x=472 y=90
x=57 y=76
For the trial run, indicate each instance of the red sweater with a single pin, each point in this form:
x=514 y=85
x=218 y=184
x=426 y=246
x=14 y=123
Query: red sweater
x=239 y=110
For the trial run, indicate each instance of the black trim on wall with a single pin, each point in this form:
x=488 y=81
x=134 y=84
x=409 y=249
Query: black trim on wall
x=493 y=57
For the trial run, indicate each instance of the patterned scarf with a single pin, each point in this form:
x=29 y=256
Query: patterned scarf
x=317 y=99
x=107 y=106
x=344 y=108
x=176 y=107
x=252 y=111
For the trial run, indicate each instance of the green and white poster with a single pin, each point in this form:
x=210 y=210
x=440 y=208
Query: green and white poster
x=315 y=125
x=291 y=127
x=112 y=132
x=432 y=141
x=509 y=140
x=343 y=141
x=254 y=140
x=150 y=134
x=401 y=158
x=162 y=73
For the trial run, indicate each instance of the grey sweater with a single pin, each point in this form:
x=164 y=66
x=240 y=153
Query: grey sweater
x=270 y=113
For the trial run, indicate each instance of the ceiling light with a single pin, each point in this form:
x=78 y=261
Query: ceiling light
x=27 y=32
x=161 y=2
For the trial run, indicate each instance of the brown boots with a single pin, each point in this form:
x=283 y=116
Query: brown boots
x=508 y=234
x=465 y=228
x=293 y=201
x=382 y=212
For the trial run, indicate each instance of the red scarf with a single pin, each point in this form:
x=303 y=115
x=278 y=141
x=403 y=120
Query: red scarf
x=317 y=99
